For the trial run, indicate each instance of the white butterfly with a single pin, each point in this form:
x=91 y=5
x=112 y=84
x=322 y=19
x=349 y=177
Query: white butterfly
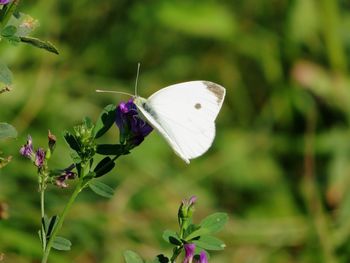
x=184 y=114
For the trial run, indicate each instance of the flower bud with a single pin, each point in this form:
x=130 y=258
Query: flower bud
x=186 y=208
x=52 y=141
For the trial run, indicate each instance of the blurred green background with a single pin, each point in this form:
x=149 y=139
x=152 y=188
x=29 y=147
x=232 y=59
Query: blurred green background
x=280 y=163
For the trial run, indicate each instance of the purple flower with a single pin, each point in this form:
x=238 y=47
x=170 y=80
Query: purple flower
x=203 y=257
x=132 y=128
x=27 y=149
x=4 y=2
x=189 y=252
x=189 y=202
x=67 y=174
x=40 y=157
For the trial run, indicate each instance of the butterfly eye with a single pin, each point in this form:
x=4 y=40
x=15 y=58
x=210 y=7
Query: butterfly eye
x=198 y=106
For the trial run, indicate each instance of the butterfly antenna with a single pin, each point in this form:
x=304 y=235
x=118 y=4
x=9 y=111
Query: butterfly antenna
x=112 y=91
x=137 y=77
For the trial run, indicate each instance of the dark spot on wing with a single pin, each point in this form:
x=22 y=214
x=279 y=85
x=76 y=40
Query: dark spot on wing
x=217 y=90
x=198 y=106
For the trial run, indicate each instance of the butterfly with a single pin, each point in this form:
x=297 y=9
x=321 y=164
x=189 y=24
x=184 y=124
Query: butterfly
x=184 y=114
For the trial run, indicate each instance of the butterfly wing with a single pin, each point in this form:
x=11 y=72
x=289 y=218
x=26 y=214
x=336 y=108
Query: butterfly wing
x=185 y=115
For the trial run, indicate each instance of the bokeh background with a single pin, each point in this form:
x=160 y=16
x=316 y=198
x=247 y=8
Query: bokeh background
x=281 y=158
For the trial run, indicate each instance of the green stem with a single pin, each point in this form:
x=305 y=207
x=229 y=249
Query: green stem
x=74 y=195
x=176 y=253
x=9 y=12
x=42 y=208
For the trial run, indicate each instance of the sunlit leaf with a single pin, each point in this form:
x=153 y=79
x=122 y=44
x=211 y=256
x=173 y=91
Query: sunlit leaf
x=209 y=243
x=101 y=189
x=61 y=243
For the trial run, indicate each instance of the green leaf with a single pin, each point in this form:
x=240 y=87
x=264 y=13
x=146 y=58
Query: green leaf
x=209 y=225
x=191 y=228
x=45 y=222
x=7 y=131
x=8 y=31
x=13 y=40
x=104 y=166
x=61 y=243
x=132 y=257
x=72 y=142
x=51 y=226
x=214 y=222
x=5 y=74
x=209 y=243
x=171 y=237
x=42 y=238
x=101 y=189
x=105 y=121
x=39 y=44
x=111 y=149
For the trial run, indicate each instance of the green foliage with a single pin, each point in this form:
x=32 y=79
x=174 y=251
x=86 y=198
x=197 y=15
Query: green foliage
x=5 y=74
x=46 y=45
x=209 y=225
x=105 y=121
x=209 y=243
x=61 y=243
x=101 y=189
x=7 y=131
x=276 y=59
x=104 y=166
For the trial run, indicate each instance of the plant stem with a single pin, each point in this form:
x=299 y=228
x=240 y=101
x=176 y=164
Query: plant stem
x=176 y=253
x=71 y=200
x=42 y=208
x=10 y=10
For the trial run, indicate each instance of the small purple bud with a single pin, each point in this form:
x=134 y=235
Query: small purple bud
x=4 y=2
x=186 y=208
x=67 y=174
x=203 y=257
x=189 y=252
x=27 y=149
x=190 y=201
x=39 y=157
